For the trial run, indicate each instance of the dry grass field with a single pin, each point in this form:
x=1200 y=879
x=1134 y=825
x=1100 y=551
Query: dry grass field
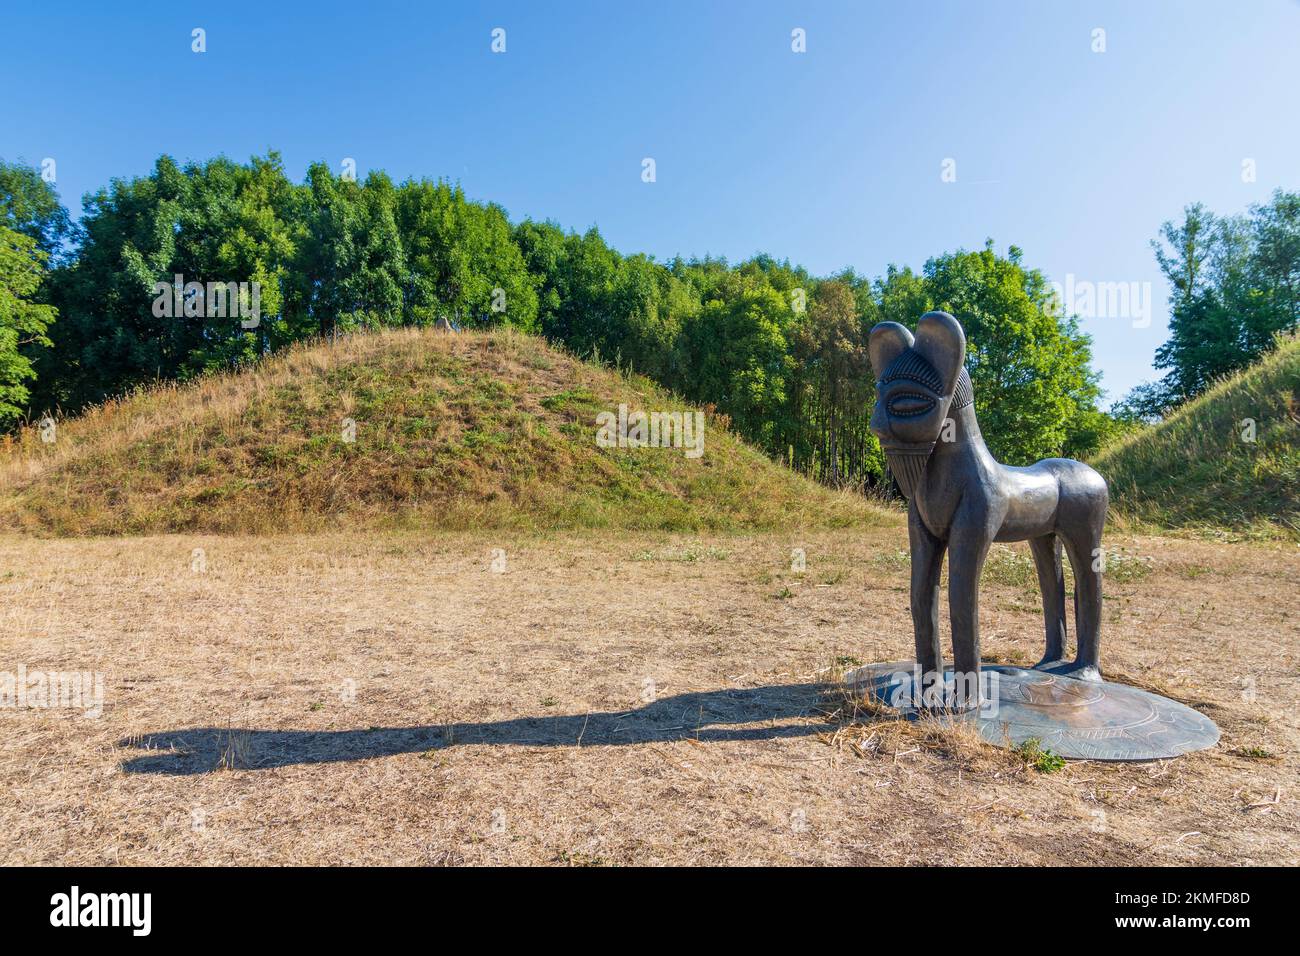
x=606 y=699
x=319 y=647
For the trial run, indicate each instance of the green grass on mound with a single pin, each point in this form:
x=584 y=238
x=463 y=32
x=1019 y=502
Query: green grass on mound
x=1200 y=470
x=451 y=432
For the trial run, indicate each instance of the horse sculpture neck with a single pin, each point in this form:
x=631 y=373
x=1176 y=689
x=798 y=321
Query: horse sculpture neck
x=961 y=441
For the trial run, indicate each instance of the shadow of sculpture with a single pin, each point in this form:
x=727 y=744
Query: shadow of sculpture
x=760 y=713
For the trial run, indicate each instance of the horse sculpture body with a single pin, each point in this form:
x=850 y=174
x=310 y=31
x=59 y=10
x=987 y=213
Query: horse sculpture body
x=961 y=500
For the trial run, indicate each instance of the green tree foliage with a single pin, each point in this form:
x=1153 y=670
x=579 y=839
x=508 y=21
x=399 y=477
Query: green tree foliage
x=30 y=205
x=779 y=352
x=29 y=210
x=22 y=320
x=107 y=338
x=628 y=310
x=735 y=352
x=834 y=387
x=462 y=260
x=350 y=264
x=1236 y=286
x=1035 y=390
x=215 y=222
x=236 y=224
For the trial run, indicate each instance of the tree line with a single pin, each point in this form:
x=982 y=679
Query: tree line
x=1235 y=284
x=780 y=352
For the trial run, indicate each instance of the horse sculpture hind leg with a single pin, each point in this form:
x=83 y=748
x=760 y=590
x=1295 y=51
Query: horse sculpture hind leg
x=1081 y=516
x=1051 y=581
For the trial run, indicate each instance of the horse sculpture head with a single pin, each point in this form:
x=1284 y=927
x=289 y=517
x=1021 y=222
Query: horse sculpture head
x=919 y=380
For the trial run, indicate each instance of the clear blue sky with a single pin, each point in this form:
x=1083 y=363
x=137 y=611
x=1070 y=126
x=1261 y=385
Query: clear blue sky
x=828 y=158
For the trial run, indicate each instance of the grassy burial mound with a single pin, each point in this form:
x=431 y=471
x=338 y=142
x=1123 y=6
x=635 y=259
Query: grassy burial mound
x=1230 y=458
x=405 y=428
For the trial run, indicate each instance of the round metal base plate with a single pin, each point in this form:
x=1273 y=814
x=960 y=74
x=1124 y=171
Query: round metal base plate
x=1083 y=720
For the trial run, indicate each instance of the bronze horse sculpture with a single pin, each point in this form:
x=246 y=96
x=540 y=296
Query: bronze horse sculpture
x=961 y=500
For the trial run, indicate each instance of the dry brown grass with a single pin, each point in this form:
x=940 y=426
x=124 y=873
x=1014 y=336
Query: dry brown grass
x=387 y=698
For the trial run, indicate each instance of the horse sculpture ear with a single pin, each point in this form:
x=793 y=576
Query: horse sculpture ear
x=942 y=343
x=887 y=341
